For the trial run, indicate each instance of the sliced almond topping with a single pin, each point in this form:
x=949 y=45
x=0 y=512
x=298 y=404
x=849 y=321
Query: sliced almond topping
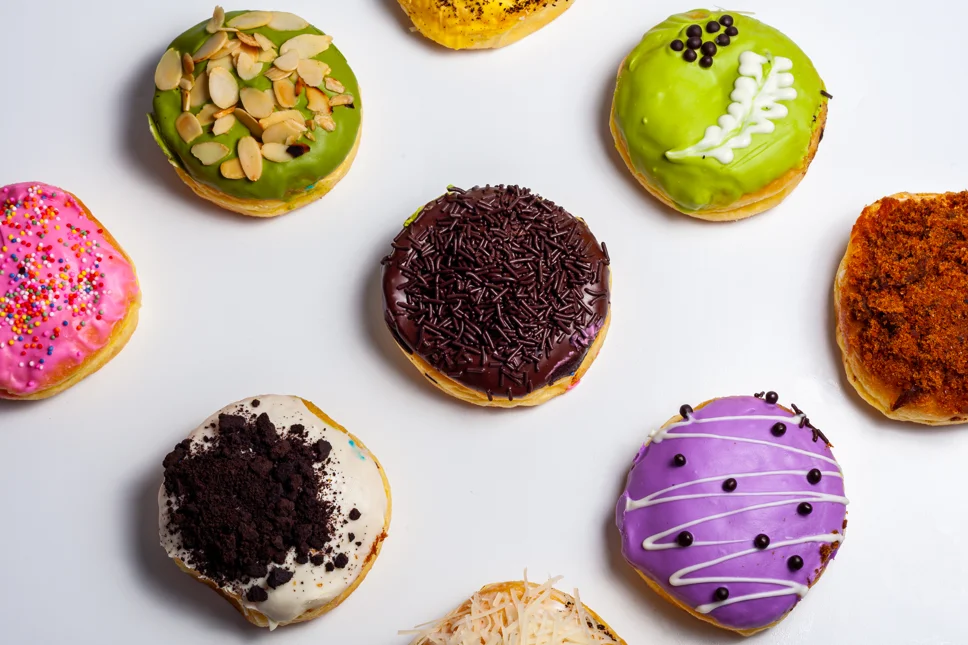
x=254 y=52
x=257 y=103
x=249 y=122
x=251 y=158
x=318 y=101
x=199 y=93
x=210 y=152
x=282 y=21
x=325 y=121
x=264 y=43
x=279 y=117
x=223 y=87
x=341 y=99
x=222 y=61
x=207 y=115
x=268 y=55
x=223 y=124
x=300 y=86
x=276 y=152
x=218 y=19
x=169 y=71
x=188 y=65
x=251 y=20
x=307 y=45
x=275 y=74
x=334 y=86
x=186 y=98
x=287 y=61
x=214 y=43
x=310 y=135
x=247 y=67
x=294 y=76
x=285 y=93
x=230 y=48
x=248 y=39
x=229 y=30
x=218 y=115
x=186 y=83
x=312 y=71
x=280 y=132
x=232 y=169
x=188 y=127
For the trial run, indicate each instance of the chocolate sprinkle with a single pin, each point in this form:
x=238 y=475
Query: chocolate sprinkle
x=825 y=94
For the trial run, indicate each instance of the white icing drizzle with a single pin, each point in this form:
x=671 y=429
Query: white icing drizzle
x=754 y=108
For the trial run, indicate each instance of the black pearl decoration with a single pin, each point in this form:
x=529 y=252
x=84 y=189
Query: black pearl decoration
x=713 y=26
x=761 y=541
x=709 y=48
x=772 y=398
x=684 y=539
x=795 y=563
x=732 y=32
x=694 y=43
x=690 y=56
x=726 y=21
x=679 y=460
x=814 y=476
x=722 y=40
x=729 y=485
x=706 y=61
x=805 y=508
x=722 y=593
x=685 y=411
x=678 y=45
x=778 y=429
x=694 y=31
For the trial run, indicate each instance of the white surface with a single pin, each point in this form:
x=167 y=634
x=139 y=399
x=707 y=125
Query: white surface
x=235 y=307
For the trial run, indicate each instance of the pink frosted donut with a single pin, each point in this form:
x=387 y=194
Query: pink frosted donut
x=732 y=511
x=69 y=295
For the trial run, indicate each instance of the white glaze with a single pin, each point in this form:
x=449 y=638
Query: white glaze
x=754 y=108
x=353 y=480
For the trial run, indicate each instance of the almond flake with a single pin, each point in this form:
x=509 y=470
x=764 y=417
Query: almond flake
x=207 y=114
x=285 y=93
x=300 y=86
x=186 y=98
x=279 y=117
x=223 y=87
x=251 y=20
x=188 y=65
x=276 y=152
x=325 y=121
x=210 y=152
x=251 y=158
x=214 y=43
x=223 y=124
x=341 y=99
x=218 y=115
x=268 y=55
x=218 y=19
x=199 y=93
x=232 y=169
x=249 y=122
x=282 y=21
x=334 y=86
x=257 y=103
x=287 y=61
x=169 y=71
x=307 y=45
x=230 y=48
x=188 y=127
x=247 y=67
x=264 y=43
x=247 y=39
x=254 y=52
x=275 y=74
x=310 y=135
x=312 y=71
x=222 y=61
x=280 y=132
x=317 y=101
x=186 y=83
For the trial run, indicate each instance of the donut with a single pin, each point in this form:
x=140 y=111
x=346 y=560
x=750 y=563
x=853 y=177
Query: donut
x=498 y=296
x=901 y=311
x=69 y=298
x=276 y=507
x=257 y=111
x=481 y=24
x=536 y=614
x=732 y=511
x=717 y=114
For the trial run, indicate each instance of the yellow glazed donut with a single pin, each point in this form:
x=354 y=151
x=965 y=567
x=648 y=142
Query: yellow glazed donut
x=481 y=24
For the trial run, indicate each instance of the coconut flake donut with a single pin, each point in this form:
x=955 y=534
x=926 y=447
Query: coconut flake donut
x=276 y=507
x=536 y=614
x=69 y=299
x=481 y=24
x=498 y=296
x=732 y=511
x=717 y=114
x=257 y=111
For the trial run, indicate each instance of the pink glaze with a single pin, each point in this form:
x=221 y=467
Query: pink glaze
x=63 y=287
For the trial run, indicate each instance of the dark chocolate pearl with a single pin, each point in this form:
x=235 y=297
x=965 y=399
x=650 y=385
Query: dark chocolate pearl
x=778 y=429
x=684 y=539
x=690 y=56
x=722 y=593
x=805 y=508
x=761 y=541
x=726 y=21
x=709 y=48
x=795 y=563
x=732 y=32
x=713 y=26
x=772 y=398
x=814 y=476
x=729 y=485
x=722 y=40
x=706 y=61
x=678 y=45
x=685 y=411
x=679 y=460
x=694 y=31
x=694 y=43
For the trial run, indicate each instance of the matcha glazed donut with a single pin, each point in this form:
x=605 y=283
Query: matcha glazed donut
x=257 y=111
x=717 y=114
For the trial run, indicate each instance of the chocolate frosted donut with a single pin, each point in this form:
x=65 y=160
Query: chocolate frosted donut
x=733 y=511
x=497 y=295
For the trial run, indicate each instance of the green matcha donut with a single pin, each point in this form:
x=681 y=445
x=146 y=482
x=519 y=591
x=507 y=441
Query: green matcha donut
x=724 y=130
x=257 y=111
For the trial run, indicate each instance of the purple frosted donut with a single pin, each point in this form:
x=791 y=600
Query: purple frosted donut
x=733 y=511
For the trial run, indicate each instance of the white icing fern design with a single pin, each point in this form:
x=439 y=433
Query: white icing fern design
x=754 y=108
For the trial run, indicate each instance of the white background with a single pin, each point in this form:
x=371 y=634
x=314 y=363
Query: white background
x=235 y=307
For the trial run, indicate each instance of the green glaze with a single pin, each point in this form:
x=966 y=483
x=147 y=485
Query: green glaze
x=281 y=181
x=663 y=103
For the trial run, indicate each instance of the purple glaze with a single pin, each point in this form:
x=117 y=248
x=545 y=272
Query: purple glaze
x=653 y=471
